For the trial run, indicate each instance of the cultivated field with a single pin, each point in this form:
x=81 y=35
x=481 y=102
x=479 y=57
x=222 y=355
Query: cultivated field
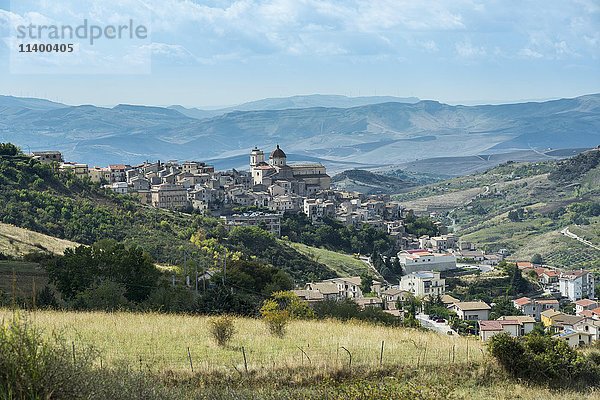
x=311 y=362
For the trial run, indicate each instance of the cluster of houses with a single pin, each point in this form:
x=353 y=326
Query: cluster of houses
x=574 y=285
x=583 y=328
x=271 y=186
x=277 y=186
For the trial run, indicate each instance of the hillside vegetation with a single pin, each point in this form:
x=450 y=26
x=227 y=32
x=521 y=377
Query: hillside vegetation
x=523 y=207
x=17 y=242
x=343 y=264
x=357 y=180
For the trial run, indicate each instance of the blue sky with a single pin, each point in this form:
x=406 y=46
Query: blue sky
x=224 y=52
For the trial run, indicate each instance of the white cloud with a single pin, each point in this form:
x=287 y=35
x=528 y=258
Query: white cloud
x=529 y=53
x=467 y=50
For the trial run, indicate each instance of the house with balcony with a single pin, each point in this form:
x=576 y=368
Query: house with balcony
x=576 y=285
x=423 y=283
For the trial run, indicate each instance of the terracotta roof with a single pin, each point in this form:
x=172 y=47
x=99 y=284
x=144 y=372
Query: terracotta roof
x=524 y=264
x=472 y=305
x=586 y=313
x=585 y=302
x=547 y=301
x=490 y=326
x=550 y=313
x=521 y=319
x=309 y=294
x=522 y=301
x=596 y=311
x=325 y=287
x=573 y=274
x=118 y=166
x=447 y=299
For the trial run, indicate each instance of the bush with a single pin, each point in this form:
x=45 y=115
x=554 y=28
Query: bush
x=277 y=321
x=222 y=329
x=106 y=296
x=34 y=368
x=543 y=360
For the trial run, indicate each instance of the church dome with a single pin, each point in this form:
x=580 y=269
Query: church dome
x=278 y=153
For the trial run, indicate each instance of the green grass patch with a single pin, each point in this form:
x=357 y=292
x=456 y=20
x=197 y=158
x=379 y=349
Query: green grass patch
x=341 y=264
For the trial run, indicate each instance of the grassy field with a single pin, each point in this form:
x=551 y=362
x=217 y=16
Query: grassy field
x=24 y=276
x=17 y=242
x=342 y=264
x=415 y=364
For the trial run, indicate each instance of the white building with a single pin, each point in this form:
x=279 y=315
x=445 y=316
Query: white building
x=515 y=326
x=585 y=304
x=118 y=187
x=347 y=287
x=423 y=283
x=317 y=208
x=576 y=285
x=424 y=260
x=575 y=338
x=271 y=222
x=472 y=310
x=535 y=307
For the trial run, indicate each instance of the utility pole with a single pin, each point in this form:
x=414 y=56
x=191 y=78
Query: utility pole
x=224 y=268
x=196 y=279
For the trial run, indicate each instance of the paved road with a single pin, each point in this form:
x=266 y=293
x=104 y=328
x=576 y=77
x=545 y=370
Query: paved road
x=441 y=328
x=567 y=233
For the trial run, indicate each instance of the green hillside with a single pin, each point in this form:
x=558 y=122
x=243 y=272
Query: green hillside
x=17 y=242
x=523 y=207
x=37 y=198
x=343 y=264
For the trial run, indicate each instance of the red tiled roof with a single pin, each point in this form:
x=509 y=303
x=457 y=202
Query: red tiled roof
x=118 y=166
x=490 y=325
x=522 y=301
x=596 y=311
x=524 y=264
x=585 y=302
x=547 y=301
x=586 y=313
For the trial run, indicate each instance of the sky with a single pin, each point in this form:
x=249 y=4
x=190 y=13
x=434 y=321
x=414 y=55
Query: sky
x=224 y=52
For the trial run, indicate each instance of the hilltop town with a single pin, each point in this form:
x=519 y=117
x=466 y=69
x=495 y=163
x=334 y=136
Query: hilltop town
x=424 y=288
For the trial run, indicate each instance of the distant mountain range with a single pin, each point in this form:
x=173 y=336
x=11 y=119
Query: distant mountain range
x=339 y=133
x=295 y=102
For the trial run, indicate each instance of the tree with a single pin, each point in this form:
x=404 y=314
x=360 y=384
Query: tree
x=503 y=307
x=366 y=281
x=107 y=260
x=537 y=259
x=106 y=296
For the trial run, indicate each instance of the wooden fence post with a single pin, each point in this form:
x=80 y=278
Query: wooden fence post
x=245 y=362
x=190 y=358
x=349 y=354
x=381 y=354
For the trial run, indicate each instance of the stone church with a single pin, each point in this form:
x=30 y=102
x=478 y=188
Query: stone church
x=302 y=179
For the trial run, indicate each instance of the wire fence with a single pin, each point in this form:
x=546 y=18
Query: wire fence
x=319 y=357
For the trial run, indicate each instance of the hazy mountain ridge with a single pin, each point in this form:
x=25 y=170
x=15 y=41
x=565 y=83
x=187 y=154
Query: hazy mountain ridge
x=294 y=102
x=374 y=134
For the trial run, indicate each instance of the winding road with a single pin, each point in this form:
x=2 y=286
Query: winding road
x=568 y=233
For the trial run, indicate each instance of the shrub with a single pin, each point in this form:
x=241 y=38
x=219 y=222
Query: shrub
x=543 y=360
x=34 y=368
x=222 y=329
x=276 y=320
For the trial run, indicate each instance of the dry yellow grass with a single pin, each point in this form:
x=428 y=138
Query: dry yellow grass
x=17 y=242
x=161 y=341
